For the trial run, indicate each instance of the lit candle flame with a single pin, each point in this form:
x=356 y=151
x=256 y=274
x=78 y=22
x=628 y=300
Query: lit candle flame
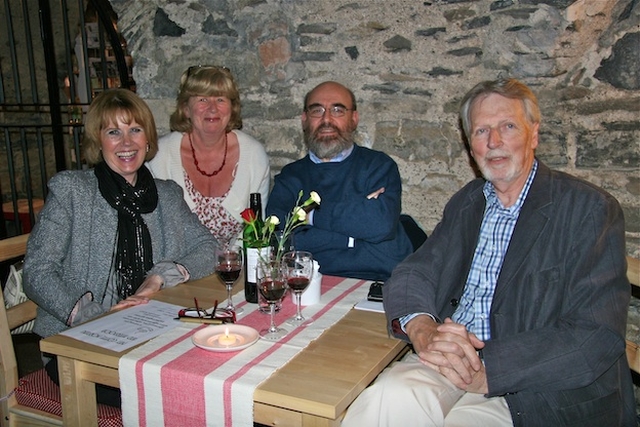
x=227 y=339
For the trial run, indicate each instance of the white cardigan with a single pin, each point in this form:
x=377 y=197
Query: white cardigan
x=252 y=174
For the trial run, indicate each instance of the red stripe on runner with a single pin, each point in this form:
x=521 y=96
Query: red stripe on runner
x=182 y=379
x=191 y=368
x=228 y=383
x=142 y=414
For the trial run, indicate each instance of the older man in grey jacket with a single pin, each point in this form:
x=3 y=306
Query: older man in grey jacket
x=516 y=305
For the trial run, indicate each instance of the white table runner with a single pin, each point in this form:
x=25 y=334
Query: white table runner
x=168 y=381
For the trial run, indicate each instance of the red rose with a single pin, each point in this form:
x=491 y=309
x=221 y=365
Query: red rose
x=248 y=215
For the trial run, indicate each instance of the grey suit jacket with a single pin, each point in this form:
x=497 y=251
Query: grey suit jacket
x=69 y=252
x=558 y=316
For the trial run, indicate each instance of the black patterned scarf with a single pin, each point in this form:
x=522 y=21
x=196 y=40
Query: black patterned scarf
x=133 y=255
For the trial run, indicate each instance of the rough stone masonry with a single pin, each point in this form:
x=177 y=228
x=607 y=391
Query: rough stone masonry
x=409 y=62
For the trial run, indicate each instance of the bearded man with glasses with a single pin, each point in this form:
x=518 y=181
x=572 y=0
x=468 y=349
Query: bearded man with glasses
x=356 y=231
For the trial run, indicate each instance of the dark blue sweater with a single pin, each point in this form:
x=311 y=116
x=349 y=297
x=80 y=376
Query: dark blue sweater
x=345 y=211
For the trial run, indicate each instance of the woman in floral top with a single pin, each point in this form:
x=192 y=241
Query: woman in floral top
x=215 y=163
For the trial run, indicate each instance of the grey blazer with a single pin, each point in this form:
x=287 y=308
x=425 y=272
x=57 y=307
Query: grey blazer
x=558 y=316
x=70 y=249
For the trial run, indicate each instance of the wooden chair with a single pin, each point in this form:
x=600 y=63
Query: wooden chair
x=33 y=400
x=13 y=413
x=633 y=348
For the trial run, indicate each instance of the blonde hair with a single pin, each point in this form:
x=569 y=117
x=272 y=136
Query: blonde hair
x=509 y=88
x=109 y=107
x=206 y=80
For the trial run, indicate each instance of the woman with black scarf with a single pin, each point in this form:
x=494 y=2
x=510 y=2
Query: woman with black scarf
x=111 y=236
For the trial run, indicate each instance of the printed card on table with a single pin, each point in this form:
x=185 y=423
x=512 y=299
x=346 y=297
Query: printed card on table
x=126 y=328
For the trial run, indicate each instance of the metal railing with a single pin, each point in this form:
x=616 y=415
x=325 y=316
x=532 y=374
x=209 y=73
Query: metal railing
x=55 y=56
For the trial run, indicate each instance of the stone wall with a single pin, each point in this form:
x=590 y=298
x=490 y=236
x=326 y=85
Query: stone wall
x=409 y=63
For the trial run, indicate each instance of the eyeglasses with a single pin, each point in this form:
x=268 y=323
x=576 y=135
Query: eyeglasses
x=222 y=315
x=318 y=111
x=193 y=68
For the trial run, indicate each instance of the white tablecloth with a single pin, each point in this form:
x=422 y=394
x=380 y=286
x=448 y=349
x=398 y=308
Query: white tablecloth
x=170 y=382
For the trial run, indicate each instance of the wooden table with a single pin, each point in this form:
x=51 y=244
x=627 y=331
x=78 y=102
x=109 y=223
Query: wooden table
x=312 y=389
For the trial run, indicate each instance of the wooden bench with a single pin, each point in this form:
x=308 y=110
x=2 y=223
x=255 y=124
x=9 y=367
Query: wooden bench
x=633 y=347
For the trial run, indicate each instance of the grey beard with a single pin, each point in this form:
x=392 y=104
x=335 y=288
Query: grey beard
x=328 y=148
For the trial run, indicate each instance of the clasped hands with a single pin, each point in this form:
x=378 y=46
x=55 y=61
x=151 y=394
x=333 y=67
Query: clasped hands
x=449 y=349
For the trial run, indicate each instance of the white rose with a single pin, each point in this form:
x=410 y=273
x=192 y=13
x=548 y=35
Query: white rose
x=300 y=214
x=273 y=220
x=315 y=197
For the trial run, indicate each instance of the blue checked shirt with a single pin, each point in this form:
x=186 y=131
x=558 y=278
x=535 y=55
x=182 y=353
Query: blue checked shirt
x=497 y=227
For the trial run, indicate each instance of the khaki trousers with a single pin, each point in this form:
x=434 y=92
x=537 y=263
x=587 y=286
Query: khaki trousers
x=411 y=394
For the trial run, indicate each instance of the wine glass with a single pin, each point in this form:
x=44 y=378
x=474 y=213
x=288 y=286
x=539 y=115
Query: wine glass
x=272 y=285
x=228 y=268
x=298 y=266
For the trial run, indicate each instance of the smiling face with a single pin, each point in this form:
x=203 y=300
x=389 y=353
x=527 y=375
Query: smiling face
x=124 y=147
x=327 y=136
x=502 y=143
x=208 y=114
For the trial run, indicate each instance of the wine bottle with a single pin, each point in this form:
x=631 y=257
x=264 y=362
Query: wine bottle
x=252 y=247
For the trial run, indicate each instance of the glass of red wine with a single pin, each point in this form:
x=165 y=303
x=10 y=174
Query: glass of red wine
x=272 y=285
x=298 y=266
x=228 y=268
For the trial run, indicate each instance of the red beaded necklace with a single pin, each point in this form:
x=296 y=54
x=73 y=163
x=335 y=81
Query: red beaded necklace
x=195 y=160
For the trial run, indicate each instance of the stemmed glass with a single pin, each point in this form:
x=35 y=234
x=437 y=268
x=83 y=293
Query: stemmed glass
x=228 y=267
x=298 y=267
x=272 y=285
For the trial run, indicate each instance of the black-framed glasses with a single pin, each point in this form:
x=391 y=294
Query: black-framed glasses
x=193 y=68
x=222 y=314
x=318 y=111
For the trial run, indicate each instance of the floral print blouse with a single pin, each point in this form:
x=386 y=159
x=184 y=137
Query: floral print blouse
x=224 y=227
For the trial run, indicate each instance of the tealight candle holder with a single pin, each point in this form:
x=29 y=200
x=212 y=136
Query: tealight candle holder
x=227 y=339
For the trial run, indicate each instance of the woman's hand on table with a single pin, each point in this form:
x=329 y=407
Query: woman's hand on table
x=150 y=286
